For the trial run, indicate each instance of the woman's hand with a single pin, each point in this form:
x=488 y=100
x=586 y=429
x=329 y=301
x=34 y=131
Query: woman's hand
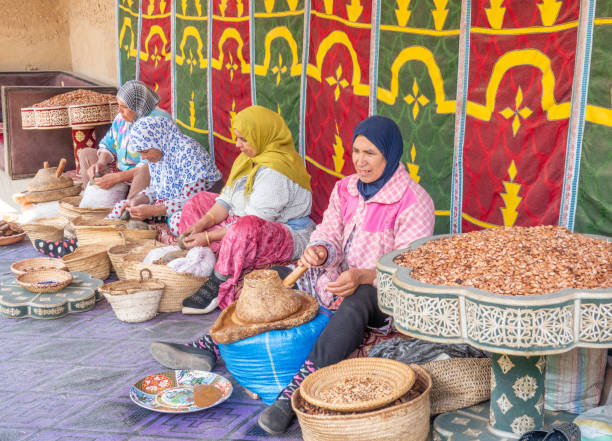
x=145 y=211
x=349 y=280
x=198 y=227
x=107 y=181
x=99 y=167
x=196 y=240
x=315 y=255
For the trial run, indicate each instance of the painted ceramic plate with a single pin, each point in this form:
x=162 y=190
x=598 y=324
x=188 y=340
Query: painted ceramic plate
x=172 y=391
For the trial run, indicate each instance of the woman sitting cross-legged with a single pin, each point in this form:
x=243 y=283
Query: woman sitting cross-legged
x=370 y=213
x=262 y=213
x=114 y=156
x=179 y=166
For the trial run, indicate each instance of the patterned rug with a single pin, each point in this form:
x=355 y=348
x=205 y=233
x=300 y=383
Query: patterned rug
x=68 y=379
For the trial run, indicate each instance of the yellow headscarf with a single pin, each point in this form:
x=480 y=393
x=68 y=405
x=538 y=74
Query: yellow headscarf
x=268 y=134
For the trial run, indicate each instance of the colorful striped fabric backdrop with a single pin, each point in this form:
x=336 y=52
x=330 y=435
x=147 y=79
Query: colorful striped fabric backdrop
x=505 y=106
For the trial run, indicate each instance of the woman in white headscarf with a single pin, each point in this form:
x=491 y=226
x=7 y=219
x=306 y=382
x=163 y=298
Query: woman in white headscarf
x=114 y=158
x=179 y=166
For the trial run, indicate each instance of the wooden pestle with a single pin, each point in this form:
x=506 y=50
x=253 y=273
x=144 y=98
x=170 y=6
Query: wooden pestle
x=60 y=167
x=298 y=272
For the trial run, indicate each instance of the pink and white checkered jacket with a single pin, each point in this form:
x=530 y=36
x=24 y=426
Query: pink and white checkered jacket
x=398 y=214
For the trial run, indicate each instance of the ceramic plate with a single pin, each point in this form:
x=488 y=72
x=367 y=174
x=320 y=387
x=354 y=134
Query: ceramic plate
x=172 y=391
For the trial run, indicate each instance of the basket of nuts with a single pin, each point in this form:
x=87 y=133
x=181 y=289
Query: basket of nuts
x=405 y=418
x=10 y=233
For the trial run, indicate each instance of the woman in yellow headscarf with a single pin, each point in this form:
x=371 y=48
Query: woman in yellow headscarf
x=262 y=213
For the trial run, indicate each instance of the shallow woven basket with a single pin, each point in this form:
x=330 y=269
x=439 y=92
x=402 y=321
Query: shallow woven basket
x=407 y=421
x=134 y=300
x=91 y=259
x=46 y=228
x=107 y=231
x=13 y=238
x=69 y=208
x=37 y=264
x=399 y=376
x=44 y=281
x=178 y=286
x=458 y=383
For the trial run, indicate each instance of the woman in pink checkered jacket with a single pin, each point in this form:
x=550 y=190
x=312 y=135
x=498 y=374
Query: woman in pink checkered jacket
x=372 y=212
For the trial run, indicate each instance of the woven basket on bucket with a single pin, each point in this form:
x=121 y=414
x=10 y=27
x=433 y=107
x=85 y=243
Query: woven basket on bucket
x=46 y=228
x=107 y=232
x=91 y=259
x=458 y=383
x=408 y=421
x=134 y=300
x=178 y=286
x=399 y=377
x=69 y=208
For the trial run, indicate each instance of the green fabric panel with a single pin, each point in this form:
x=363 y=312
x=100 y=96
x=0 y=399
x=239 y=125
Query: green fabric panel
x=431 y=133
x=127 y=36
x=421 y=15
x=594 y=204
x=191 y=52
x=278 y=61
x=594 y=207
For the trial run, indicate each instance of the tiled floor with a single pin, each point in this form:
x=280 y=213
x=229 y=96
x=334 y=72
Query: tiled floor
x=68 y=379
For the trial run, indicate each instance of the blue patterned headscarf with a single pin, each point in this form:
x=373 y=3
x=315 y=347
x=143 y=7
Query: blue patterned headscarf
x=386 y=136
x=183 y=159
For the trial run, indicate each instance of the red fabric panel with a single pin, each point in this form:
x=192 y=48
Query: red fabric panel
x=231 y=81
x=518 y=128
x=155 y=63
x=332 y=107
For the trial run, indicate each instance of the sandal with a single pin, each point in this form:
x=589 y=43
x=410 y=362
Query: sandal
x=562 y=432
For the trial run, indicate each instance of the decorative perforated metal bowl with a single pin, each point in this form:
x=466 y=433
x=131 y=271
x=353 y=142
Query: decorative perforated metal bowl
x=516 y=325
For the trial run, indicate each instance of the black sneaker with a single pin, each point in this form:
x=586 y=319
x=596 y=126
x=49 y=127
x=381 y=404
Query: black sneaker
x=277 y=417
x=205 y=299
x=176 y=356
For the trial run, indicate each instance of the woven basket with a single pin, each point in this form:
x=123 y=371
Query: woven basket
x=69 y=208
x=116 y=253
x=458 y=383
x=37 y=264
x=46 y=228
x=407 y=421
x=44 y=281
x=399 y=376
x=91 y=259
x=134 y=300
x=178 y=286
x=106 y=231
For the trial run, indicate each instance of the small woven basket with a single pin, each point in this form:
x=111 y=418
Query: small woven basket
x=116 y=253
x=44 y=281
x=91 y=259
x=458 y=383
x=106 y=231
x=178 y=286
x=407 y=421
x=399 y=377
x=134 y=301
x=69 y=208
x=37 y=264
x=46 y=228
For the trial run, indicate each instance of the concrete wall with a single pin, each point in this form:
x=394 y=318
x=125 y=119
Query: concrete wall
x=34 y=35
x=72 y=35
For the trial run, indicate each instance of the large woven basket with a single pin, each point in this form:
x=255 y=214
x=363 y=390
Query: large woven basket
x=91 y=259
x=178 y=286
x=69 y=208
x=407 y=421
x=46 y=228
x=398 y=376
x=107 y=231
x=118 y=252
x=458 y=383
x=134 y=300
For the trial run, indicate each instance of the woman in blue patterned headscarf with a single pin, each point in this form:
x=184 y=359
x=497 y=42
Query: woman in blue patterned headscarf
x=179 y=166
